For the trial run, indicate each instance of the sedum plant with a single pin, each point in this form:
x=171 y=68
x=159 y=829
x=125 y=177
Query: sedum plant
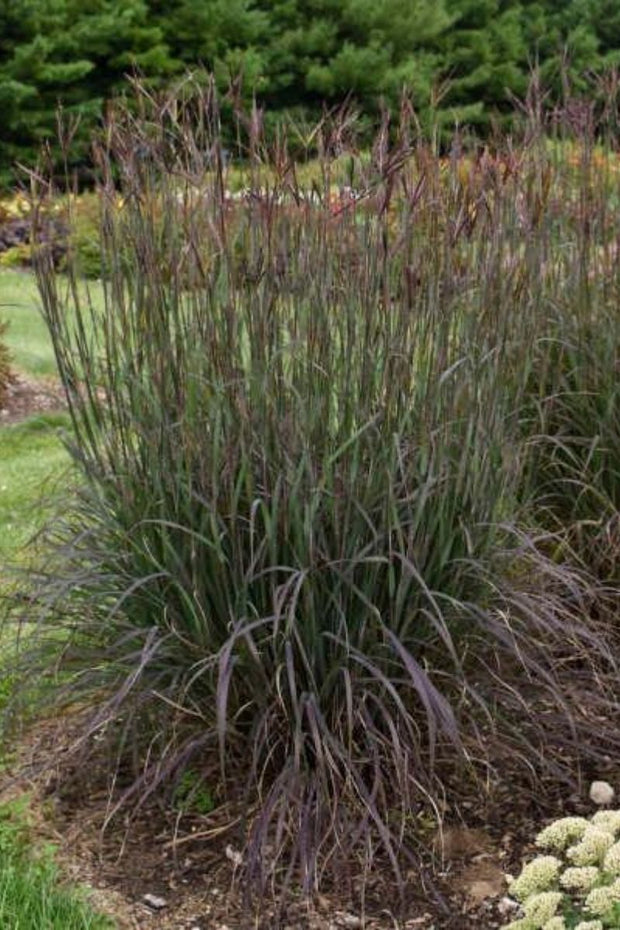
x=575 y=884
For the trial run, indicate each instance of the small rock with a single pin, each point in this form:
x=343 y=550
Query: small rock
x=481 y=891
x=480 y=881
x=602 y=793
x=352 y=921
x=234 y=855
x=460 y=843
x=506 y=906
x=154 y=901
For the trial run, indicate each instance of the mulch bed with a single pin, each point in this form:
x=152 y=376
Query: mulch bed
x=154 y=853
x=26 y=397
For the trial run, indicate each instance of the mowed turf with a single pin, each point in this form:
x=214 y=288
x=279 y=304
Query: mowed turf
x=27 y=336
x=32 y=456
x=33 y=461
x=32 y=895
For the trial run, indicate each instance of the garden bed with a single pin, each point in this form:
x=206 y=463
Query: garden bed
x=158 y=853
x=27 y=396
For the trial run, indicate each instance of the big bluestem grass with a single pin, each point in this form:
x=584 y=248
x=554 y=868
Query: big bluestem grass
x=576 y=434
x=298 y=560
x=576 y=456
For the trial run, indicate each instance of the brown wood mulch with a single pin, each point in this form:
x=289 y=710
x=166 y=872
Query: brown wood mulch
x=26 y=397
x=154 y=854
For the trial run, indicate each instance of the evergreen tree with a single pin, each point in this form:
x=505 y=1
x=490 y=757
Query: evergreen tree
x=486 y=58
x=294 y=55
x=602 y=19
x=74 y=52
x=323 y=50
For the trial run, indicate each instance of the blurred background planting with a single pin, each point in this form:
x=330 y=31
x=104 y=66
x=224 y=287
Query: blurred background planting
x=462 y=60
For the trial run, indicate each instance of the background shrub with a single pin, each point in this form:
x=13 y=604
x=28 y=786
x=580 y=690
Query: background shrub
x=83 y=245
x=460 y=62
x=18 y=256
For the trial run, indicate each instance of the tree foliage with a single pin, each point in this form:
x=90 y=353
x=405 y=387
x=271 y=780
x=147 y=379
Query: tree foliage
x=464 y=58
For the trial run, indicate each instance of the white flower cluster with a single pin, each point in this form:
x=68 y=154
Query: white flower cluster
x=580 y=878
x=556 y=923
x=540 y=908
x=580 y=882
x=562 y=832
x=607 y=820
x=611 y=862
x=591 y=848
x=600 y=901
x=526 y=923
x=537 y=875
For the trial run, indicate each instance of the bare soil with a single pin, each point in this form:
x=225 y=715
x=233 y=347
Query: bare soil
x=26 y=397
x=185 y=863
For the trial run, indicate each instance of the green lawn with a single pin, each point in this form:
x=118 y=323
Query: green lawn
x=27 y=335
x=31 y=895
x=32 y=461
x=32 y=457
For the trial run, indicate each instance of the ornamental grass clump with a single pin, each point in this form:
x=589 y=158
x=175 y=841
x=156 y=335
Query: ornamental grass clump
x=556 y=894
x=578 y=447
x=300 y=563
x=576 y=433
